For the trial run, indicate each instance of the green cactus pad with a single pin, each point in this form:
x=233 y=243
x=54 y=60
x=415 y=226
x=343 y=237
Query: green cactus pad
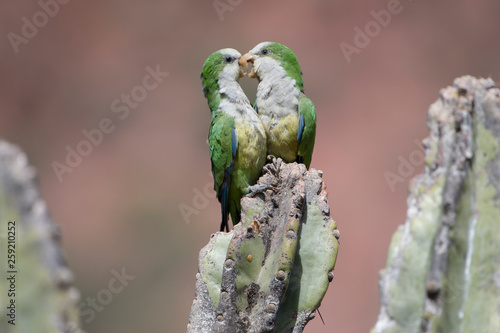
x=277 y=264
x=443 y=266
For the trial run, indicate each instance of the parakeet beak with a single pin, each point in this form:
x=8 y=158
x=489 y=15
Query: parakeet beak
x=242 y=73
x=249 y=58
x=243 y=63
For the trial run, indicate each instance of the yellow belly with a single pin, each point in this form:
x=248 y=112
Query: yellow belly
x=251 y=155
x=282 y=138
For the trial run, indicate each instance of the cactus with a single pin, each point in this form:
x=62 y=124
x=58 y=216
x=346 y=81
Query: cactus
x=443 y=265
x=270 y=273
x=45 y=300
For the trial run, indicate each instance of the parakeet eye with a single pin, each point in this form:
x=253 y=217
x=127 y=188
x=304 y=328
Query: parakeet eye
x=264 y=51
x=228 y=59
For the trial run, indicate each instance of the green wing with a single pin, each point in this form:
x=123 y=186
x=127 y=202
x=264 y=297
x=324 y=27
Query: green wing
x=307 y=131
x=223 y=143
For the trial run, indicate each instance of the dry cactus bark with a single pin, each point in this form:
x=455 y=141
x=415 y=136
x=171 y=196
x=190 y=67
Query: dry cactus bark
x=270 y=273
x=443 y=265
x=45 y=299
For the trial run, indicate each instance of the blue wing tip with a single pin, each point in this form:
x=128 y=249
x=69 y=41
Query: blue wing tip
x=301 y=128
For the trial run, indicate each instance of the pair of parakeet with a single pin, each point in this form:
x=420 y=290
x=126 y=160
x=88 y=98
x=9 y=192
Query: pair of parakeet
x=282 y=122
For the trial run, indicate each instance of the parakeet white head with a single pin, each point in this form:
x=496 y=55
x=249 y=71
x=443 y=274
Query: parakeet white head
x=267 y=57
x=221 y=71
x=222 y=64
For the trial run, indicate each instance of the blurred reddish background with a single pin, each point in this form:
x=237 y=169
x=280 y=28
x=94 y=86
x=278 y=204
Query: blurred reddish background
x=120 y=206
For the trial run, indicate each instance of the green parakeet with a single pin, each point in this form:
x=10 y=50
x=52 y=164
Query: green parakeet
x=287 y=114
x=237 y=138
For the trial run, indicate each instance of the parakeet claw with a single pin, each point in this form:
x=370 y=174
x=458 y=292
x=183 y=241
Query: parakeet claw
x=258 y=188
x=274 y=167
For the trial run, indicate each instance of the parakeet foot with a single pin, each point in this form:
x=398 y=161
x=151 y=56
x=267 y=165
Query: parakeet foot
x=273 y=168
x=258 y=188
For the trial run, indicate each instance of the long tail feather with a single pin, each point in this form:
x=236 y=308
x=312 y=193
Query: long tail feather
x=224 y=198
x=224 y=204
